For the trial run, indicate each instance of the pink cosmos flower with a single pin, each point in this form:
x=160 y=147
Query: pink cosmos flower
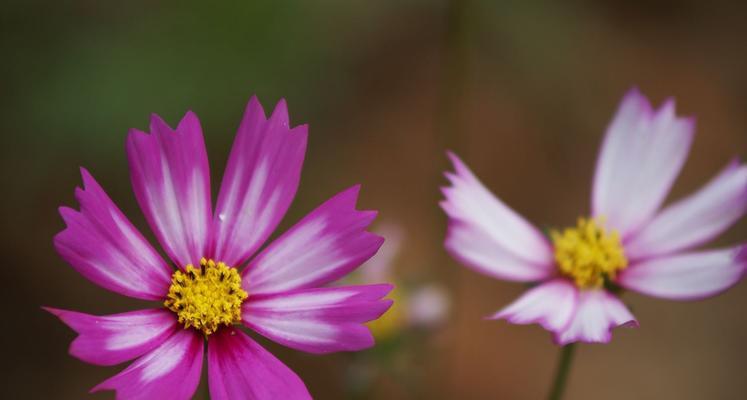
x=629 y=241
x=280 y=293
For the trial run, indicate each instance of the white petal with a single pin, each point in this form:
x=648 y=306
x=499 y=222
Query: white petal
x=696 y=219
x=641 y=156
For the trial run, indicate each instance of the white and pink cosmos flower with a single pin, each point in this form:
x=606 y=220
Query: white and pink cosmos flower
x=629 y=241
x=280 y=292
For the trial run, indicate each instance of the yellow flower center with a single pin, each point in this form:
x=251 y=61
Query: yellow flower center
x=588 y=253
x=205 y=298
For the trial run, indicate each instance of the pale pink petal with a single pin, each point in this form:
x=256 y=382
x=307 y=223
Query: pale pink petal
x=688 y=276
x=551 y=304
x=259 y=184
x=171 y=180
x=487 y=235
x=102 y=245
x=170 y=372
x=321 y=320
x=112 y=339
x=696 y=219
x=597 y=313
x=324 y=246
x=641 y=156
x=239 y=368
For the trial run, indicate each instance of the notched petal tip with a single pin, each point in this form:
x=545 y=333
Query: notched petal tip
x=158 y=125
x=635 y=96
x=254 y=105
x=280 y=113
x=189 y=122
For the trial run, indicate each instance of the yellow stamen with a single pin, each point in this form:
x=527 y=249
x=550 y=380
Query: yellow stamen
x=588 y=253
x=206 y=297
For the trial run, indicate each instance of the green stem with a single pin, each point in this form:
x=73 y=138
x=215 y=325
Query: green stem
x=561 y=373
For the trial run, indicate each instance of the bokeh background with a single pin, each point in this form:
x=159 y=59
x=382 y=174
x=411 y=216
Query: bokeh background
x=521 y=90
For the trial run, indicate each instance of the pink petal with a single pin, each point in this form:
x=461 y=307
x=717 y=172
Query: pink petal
x=688 y=276
x=170 y=372
x=327 y=244
x=112 y=339
x=696 y=219
x=102 y=245
x=239 y=368
x=551 y=304
x=487 y=235
x=171 y=180
x=321 y=320
x=597 y=313
x=259 y=184
x=642 y=154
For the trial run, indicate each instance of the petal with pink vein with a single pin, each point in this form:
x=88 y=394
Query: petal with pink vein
x=102 y=245
x=171 y=181
x=324 y=246
x=696 y=219
x=259 y=184
x=487 y=235
x=597 y=313
x=170 y=372
x=112 y=339
x=551 y=304
x=321 y=320
x=688 y=276
x=239 y=368
x=642 y=153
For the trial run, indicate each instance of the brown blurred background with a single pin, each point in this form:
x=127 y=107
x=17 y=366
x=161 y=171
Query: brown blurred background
x=521 y=90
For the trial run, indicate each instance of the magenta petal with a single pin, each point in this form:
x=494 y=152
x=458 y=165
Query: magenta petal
x=112 y=339
x=696 y=219
x=324 y=246
x=597 y=313
x=551 y=304
x=171 y=180
x=170 y=372
x=688 y=276
x=321 y=320
x=239 y=368
x=488 y=236
x=259 y=184
x=102 y=245
x=641 y=156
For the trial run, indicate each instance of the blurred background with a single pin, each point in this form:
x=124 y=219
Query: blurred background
x=521 y=90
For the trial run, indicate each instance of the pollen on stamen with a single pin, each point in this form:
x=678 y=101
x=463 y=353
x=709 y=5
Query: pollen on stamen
x=207 y=297
x=588 y=253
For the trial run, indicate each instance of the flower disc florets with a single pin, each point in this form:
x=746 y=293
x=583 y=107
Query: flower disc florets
x=588 y=253
x=205 y=298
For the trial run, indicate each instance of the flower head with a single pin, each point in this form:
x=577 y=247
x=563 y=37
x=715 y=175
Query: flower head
x=220 y=280
x=628 y=241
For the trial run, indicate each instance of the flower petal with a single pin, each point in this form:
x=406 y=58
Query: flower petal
x=170 y=372
x=171 y=180
x=598 y=312
x=321 y=320
x=259 y=184
x=239 y=368
x=696 y=219
x=324 y=246
x=641 y=155
x=112 y=339
x=487 y=235
x=102 y=245
x=688 y=276
x=551 y=304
